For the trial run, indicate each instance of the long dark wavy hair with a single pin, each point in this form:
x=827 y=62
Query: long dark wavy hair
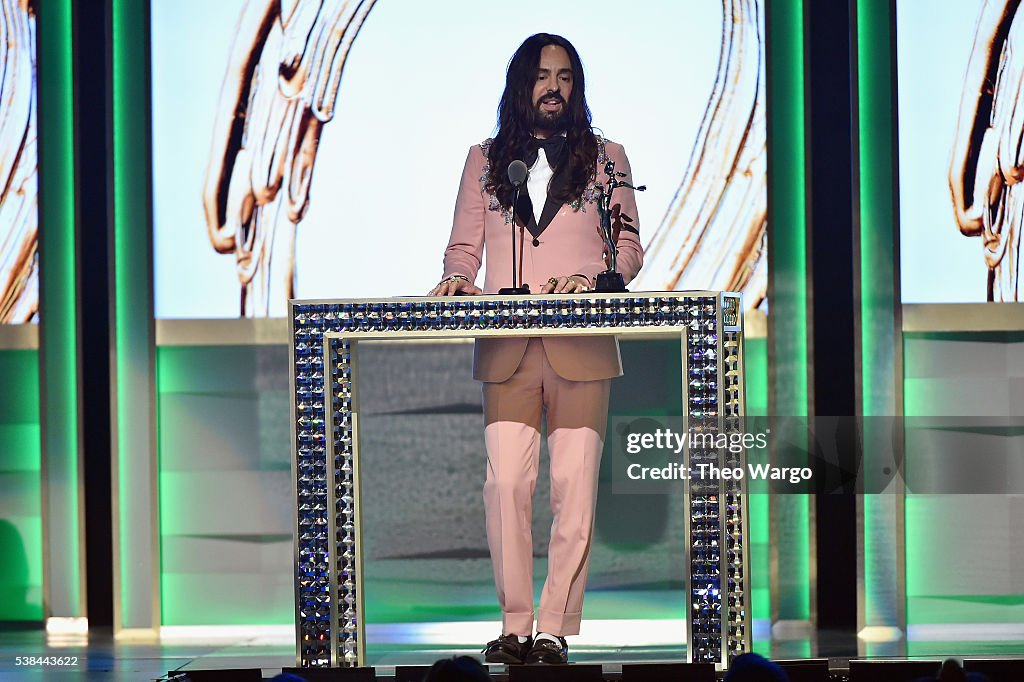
x=516 y=122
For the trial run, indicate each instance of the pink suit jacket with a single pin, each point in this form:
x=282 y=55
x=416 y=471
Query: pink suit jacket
x=571 y=244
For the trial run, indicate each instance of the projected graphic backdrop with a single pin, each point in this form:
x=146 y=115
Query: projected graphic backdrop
x=960 y=69
x=19 y=216
x=283 y=131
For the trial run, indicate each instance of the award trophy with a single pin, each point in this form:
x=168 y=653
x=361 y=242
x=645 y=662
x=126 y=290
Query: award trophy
x=610 y=280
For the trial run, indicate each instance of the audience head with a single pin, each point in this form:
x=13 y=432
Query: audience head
x=457 y=669
x=754 y=668
x=952 y=672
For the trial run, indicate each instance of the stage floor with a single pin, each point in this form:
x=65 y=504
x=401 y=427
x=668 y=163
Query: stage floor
x=98 y=657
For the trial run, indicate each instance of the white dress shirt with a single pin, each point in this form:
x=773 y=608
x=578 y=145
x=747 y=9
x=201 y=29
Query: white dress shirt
x=537 y=182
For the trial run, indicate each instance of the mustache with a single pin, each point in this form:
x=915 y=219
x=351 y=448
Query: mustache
x=551 y=95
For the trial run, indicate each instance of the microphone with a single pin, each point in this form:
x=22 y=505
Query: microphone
x=517 y=174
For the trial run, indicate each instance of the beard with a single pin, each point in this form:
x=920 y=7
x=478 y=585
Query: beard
x=550 y=121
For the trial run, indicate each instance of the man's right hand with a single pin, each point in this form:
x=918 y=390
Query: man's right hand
x=455 y=285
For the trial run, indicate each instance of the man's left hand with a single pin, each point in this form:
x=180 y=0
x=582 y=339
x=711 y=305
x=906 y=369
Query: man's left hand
x=566 y=285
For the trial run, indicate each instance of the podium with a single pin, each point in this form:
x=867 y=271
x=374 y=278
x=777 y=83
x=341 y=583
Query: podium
x=325 y=335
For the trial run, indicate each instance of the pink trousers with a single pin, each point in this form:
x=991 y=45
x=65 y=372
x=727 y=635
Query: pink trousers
x=577 y=413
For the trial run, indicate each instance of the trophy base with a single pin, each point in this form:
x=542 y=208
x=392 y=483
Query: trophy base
x=610 y=283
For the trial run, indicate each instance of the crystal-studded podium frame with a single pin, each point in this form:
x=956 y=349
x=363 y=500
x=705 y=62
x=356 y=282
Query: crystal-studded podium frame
x=330 y=628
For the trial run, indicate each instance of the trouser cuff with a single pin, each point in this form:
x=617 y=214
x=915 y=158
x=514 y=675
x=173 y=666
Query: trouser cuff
x=561 y=624
x=517 y=624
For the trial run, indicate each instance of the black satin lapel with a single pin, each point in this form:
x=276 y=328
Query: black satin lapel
x=524 y=210
x=551 y=206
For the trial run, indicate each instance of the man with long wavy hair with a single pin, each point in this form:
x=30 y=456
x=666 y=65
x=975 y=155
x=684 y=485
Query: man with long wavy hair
x=543 y=120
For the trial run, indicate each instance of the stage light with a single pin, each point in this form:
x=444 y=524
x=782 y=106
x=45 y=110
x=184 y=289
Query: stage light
x=67 y=626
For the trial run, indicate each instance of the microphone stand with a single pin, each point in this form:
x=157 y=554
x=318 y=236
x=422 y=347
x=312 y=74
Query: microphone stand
x=516 y=289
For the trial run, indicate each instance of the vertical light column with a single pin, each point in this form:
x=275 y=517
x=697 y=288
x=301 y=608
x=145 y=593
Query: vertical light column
x=791 y=519
x=21 y=485
x=63 y=533
x=881 y=594
x=133 y=431
x=755 y=408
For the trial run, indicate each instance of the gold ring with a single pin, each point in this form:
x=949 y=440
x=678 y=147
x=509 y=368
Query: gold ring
x=553 y=281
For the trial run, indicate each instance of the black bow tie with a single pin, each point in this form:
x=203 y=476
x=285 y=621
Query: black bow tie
x=554 y=150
